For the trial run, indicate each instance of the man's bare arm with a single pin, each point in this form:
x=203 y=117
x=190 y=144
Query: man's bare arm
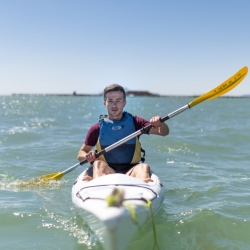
x=158 y=127
x=86 y=153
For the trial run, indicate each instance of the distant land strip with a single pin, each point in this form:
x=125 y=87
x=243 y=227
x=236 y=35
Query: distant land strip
x=131 y=94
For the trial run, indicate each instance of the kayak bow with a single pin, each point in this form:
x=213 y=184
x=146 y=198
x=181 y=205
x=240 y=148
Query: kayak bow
x=115 y=225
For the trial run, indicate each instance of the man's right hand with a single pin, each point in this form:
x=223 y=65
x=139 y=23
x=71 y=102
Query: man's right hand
x=90 y=156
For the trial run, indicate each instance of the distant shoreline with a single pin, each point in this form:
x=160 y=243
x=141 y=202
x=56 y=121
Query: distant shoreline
x=131 y=93
x=129 y=96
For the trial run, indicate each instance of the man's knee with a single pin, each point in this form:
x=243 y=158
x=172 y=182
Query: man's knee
x=99 y=165
x=145 y=167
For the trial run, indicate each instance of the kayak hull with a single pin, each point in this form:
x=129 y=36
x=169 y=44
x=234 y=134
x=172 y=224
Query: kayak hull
x=115 y=226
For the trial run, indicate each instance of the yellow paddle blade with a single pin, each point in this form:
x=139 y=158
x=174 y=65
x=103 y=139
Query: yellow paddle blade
x=54 y=176
x=46 y=178
x=222 y=88
x=41 y=181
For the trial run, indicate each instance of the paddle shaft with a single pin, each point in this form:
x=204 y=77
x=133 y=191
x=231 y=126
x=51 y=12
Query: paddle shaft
x=214 y=93
x=129 y=137
x=138 y=132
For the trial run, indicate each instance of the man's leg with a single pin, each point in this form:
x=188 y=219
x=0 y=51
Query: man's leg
x=140 y=171
x=100 y=168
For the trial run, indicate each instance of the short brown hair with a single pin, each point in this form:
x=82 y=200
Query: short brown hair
x=114 y=87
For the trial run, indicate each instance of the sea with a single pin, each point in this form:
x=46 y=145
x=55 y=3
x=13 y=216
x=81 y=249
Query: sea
x=204 y=165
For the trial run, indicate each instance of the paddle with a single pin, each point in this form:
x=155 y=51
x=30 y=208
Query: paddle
x=214 y=93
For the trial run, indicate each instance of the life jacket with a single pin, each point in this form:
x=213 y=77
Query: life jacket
x=113 y=131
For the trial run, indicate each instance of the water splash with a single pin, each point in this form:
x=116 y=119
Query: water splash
x=10 y=183
x=74 y=225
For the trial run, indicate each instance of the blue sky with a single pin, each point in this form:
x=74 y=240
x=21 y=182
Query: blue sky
x=175 y=47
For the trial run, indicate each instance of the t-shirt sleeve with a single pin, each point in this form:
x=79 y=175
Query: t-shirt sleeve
x=140 y=123
x=92 y=135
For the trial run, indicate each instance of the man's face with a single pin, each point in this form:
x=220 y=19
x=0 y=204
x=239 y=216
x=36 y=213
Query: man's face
x=115 y=103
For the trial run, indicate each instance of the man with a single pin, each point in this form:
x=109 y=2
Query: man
x=118 y=124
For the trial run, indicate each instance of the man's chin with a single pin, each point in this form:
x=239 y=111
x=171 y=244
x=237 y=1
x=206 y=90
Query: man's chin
x=115 y=115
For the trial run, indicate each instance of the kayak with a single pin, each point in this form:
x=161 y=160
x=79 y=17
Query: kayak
x=115 y=225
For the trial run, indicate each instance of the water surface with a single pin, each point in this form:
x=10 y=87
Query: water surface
x=203 y=164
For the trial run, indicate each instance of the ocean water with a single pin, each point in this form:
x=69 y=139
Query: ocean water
x=204 y=165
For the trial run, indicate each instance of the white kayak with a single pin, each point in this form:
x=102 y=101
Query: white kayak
x=115 y=226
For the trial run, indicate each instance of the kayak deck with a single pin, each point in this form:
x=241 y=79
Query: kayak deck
x=116 y=226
